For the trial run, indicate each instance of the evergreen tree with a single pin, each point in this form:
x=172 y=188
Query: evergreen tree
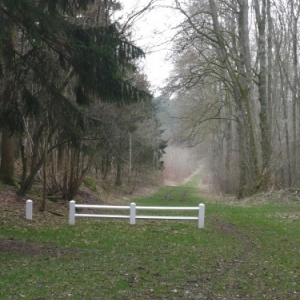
x=53 y=66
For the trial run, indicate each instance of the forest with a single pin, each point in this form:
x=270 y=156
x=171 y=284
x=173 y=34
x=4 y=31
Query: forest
x=235 y=91
x=73 y=103
x=81 y=120
x=76 y=107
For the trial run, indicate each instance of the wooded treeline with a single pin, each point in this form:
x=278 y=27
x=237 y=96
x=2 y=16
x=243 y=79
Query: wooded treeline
x=72 y=101
x=236 y=87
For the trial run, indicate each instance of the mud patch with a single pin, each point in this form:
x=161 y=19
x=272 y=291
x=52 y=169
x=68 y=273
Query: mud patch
x=23 y=247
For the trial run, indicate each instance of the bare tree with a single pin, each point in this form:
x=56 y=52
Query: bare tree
x=252 y=70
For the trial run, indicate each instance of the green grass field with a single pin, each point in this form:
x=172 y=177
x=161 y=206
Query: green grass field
x=244 y=252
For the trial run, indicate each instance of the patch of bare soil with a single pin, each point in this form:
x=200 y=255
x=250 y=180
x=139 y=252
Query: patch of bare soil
x=88 y=198
x=202 y=288
x=243 y=239
x=12 y=213
x=13 y=207
x=24 y=247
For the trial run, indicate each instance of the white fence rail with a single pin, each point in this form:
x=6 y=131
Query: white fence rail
x=133 y=208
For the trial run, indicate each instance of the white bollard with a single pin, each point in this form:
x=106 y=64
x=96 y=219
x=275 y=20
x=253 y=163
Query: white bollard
x=72 y=212
x=29 y=209
x=201 y=215
x=132 y=213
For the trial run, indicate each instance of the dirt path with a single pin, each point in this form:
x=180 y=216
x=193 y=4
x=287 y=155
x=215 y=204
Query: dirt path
x=226 y=270
x=227 y=273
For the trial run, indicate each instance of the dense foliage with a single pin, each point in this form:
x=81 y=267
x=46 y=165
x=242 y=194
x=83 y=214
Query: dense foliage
x=58 y=62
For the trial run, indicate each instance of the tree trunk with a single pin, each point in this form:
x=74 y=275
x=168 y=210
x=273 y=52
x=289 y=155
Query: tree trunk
x=26 y=185
x=260 y=13
x=43 y=204
x=241 y=91
x=119 y=171
x=295 y=89
x=106 y=165
x=286 y=133
x=9 y=90
x=7 y=158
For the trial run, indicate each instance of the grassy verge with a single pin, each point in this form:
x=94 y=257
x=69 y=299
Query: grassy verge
x=242 y=253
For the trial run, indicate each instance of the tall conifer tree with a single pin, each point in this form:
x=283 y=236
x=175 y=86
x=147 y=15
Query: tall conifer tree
x=43 y=48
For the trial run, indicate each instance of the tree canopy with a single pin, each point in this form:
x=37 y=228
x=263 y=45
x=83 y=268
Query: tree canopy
x=44 y=47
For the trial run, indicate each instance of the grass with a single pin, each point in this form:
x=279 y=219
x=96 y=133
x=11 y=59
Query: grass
x=244 y=252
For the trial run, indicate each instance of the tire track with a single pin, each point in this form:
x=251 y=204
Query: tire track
x=224 y=269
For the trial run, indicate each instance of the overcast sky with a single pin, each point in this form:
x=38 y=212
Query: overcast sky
x=152 y=33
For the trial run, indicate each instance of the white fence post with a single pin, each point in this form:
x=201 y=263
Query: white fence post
x=132 y=213
x=201 y=215
x=72 y=212
x=29 y=209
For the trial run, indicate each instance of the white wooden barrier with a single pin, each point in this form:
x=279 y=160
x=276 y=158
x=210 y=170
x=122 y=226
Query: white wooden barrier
x=133 y=212
x=29 y=209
